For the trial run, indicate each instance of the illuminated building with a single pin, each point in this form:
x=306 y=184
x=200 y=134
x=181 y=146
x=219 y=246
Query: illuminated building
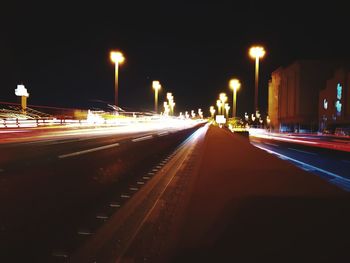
x=294 y=92
x=334 y=100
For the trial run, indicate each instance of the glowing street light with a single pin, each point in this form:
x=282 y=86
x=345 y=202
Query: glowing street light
x=171 y=102
x=256 y=52
x=166 y=108
x=223 y=99
x=218 y=104
x=156 y=86
x=22 y=92
x=227 y=109
x=212 y=111
x=117 y=58
x=234 y=85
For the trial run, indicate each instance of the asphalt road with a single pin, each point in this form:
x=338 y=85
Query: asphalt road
x=332 y=165
x=54 y=193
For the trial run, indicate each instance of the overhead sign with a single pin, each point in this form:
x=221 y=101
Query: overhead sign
x=21 y=91
x=220 y=119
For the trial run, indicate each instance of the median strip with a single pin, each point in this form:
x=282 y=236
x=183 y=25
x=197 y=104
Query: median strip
x=142 y=138
x=88 y=151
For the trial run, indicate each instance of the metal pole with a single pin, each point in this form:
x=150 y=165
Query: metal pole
x=234 y=104
x=156 y=100
x=256 y=82
x=116 y=85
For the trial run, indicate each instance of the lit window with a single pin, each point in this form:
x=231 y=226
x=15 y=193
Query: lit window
x=325 y=104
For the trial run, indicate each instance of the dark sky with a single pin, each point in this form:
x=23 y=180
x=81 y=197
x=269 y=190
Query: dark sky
x=60 y=51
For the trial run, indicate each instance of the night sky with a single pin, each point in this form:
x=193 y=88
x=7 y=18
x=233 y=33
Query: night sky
x=60 y=51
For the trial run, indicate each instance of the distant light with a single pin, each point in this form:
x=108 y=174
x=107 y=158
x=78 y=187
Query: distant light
x=223 y=97
x=257 y=52
x=339 y=91
x=117 y=57
x=325 y=104
x=235 y=84
x=21 y=91
x=156 y=85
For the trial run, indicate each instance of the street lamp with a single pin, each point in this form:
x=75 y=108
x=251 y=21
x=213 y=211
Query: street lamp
x=156 y=86
x=234 y=85
x=218 y=104
x=223 y=99
x=212 y=111
x=256 y=52
x=117 y=58
x=171 y=102
x=227 y=108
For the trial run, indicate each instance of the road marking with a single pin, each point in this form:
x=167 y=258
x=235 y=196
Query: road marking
x=158 y=166
x=150 y=173
x=145 y=177
x=102 y=217
x=88 y=151
x=142 y=138
x=163 y=133
x=272 y=144
x=114 y=205
x=84 y=232
x=302 y=151
x=59 y=253
x=125 y=196
x=311 y=167
x=140 y=182
x=133 y=189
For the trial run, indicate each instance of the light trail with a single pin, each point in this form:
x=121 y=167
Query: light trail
x=162 y=126
x=303 y=140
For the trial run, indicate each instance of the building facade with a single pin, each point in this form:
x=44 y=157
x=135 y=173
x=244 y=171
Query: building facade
x=334 y=101
x=294 y=95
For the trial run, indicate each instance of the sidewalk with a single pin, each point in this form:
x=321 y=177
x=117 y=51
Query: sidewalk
x=248 y=206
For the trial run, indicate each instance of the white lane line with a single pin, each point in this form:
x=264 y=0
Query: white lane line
x=84 y=232
x=163 y=133
x=114 y=205
x=139 y=182
x=302 y=151
x=88 y=151
x=133 y=189
x=309 y=166
x=345 y=161
x=272 y=144
x=102 y=216
x=142 y=138
x=125 y=196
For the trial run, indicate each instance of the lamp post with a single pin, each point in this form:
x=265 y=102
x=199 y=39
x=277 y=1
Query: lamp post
x=234 y=85
x=218 y=104
x=256 y=52
x=227 y=108
x=212 y=111
x=156 y=86
x=117 y=58
x=171 y=102
x=223 y=99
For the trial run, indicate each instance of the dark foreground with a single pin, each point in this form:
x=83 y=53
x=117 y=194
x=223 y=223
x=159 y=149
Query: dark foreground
x=240 y=204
